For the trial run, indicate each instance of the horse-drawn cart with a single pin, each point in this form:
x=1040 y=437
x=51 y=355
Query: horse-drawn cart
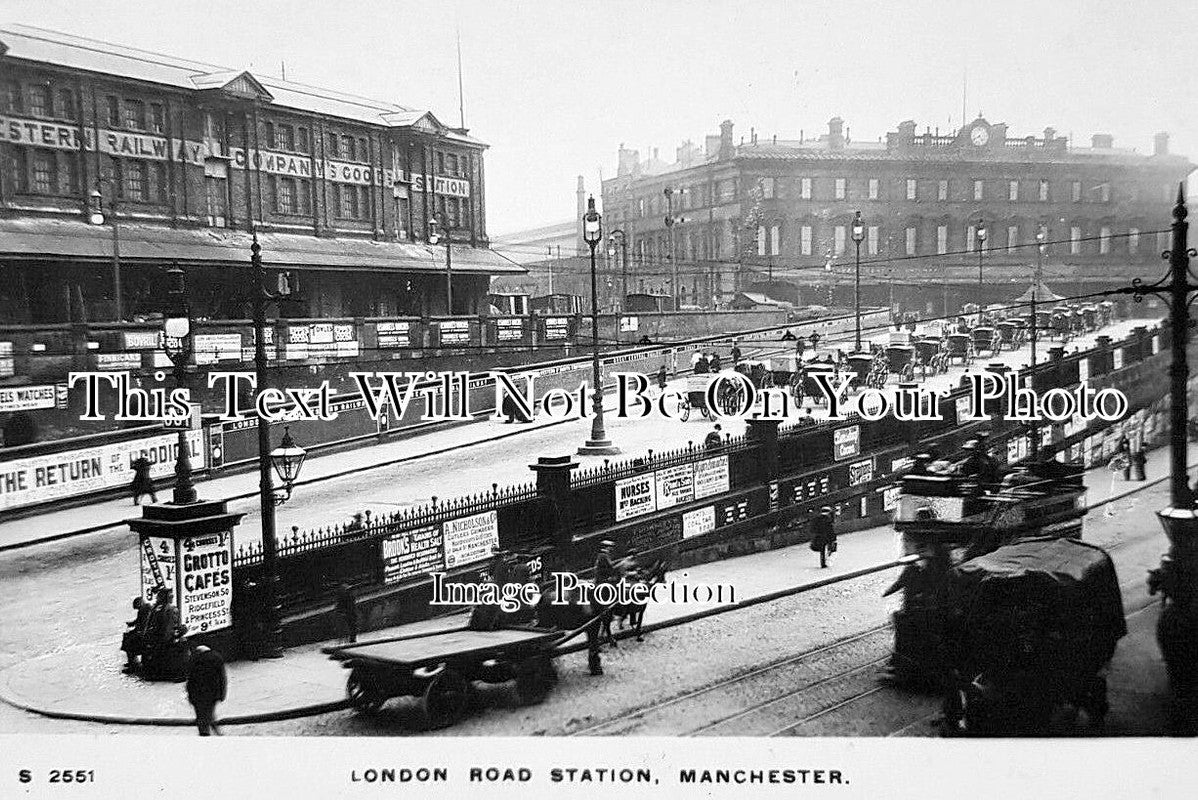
x=437 y=668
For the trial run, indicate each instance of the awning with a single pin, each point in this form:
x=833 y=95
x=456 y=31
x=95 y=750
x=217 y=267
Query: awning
x=1043 y=295
x=34 y=239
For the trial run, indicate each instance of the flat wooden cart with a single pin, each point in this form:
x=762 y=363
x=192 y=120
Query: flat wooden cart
x=437 y=668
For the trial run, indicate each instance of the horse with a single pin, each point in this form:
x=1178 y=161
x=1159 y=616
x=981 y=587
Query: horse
x=633 y=613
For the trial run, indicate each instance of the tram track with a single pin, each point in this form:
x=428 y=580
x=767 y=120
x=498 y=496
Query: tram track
x=836 y=691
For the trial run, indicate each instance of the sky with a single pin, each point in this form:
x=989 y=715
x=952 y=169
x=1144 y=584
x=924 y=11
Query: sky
x=555 y=87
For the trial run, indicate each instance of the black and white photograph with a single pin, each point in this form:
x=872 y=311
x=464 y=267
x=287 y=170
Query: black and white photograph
x=598 y=399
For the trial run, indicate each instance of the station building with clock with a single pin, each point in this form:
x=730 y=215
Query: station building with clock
x=116 y=162
x=765 y=215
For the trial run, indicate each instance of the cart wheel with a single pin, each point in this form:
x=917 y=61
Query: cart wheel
x=444 y=700
x=362 y=694
x=535 y=677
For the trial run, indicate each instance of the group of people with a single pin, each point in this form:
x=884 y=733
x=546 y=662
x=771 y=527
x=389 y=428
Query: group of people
x=154 y=642
x=156 y=647
x=704 y=363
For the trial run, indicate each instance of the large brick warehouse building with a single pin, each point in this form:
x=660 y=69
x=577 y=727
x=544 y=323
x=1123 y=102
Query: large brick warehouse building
x=116 y=162
x=760 y=210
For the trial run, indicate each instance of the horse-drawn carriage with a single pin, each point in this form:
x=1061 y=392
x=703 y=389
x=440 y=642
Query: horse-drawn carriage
x=1062 y=323
x=1010 y=334
x=1106 y=313
x=728 y=396
x=931 y=356
x=1029 y=628
x=984 y=340
x=757 y=371
x=1089 y=314
x=959 y=346
x=901 y=360
x=807 y=385
x=868 y=370
x=787 y=372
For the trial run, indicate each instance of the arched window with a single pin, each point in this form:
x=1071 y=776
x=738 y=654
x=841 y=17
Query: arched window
x=760 y=240
x=775 y=239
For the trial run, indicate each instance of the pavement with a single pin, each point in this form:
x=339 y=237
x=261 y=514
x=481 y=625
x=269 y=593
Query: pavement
x=323 y=469
x=84 y=682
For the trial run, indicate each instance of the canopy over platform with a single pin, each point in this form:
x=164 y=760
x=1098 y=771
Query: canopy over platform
x=1043 y=294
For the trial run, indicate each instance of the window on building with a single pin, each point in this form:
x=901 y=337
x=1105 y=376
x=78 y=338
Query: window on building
x=805 y=188
x=216 y=192
x=1077 y=191
x=110 y=173
x=775 y=239
x=440 y=163
x=942 y=190
x=363 y=150
x=135 y=180
x=838 y=240
x=1133 y=240
x=68 y=174
x=287 y=137
x=873 y=188
x=43 y=172
x=12 y=97
x=971 y=238
x=214 y=126
x=135 y=115
x=451 y=164
x=640 y=206
x=1075 y=240
x=910 y=241
x=1043 y=190
x=159 y=185
x=270 y=135
x=760 y=240
x=285 y=199
x=331 y=145
x=841 y=186
x=15 y=174
x=941 y=239
x=767 y=188
x=911 y=188
x=157 y=118
x=1012 y=238
x=1012 y=191
x=39 y=100
x=1104 y=193
x=978 y=190
x=805 y=240
x=1104 y=240
x=301 y=137
x=871 y=239
x=114 y=111
x=348 y=149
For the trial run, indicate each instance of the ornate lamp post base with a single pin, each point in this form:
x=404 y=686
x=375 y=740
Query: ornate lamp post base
x=598 y=447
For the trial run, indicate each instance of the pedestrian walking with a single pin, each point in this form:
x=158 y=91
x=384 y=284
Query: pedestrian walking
x=347 y=609
x=823 y=536
x=207 y=685
x=1139 y=463
x=662 y=378
x=142 y=484
x=735 y=355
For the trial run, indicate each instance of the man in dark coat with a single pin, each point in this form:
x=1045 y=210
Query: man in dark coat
x=347 y=608
x=714 y=439
x=605 y=570
x=206 y=686
x=134 y=640
x=141 y=480
x=823 y=535
x=735 y=355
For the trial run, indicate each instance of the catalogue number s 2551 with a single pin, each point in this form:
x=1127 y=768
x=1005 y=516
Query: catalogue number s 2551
x=59 y=776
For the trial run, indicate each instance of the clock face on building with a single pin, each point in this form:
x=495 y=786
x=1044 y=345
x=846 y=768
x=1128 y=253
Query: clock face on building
x=979 y=135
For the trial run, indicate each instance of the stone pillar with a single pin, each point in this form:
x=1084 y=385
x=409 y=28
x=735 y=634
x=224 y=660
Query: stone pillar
x=553 y=484
x=765 y=433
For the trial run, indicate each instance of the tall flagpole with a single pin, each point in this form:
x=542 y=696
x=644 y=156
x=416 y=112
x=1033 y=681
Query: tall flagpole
x=461 y=95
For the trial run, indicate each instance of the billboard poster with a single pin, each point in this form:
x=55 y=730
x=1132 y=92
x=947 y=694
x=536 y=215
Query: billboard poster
x=846 y=442
x=861 y=472
x=38 y=479
x=394 y=334
x=635 y=496
x=698 y=522
x=157 y=565
x=412 y=553
x=206 y=582
x=28 y=398
x=453 y=331
x=470 y=539
x=509 y=329
x=711 y=477
x=675 y=485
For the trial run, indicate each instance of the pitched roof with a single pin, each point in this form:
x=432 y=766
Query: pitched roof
x=31 y=43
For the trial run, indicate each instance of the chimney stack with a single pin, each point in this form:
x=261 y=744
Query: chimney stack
x=580 y=194
x=1160 y=144
x=836 y=133
x=629 y=163
x=727 y=150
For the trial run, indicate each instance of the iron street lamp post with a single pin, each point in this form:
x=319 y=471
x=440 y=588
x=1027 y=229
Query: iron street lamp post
x=96 y=217
x=858 y=237
x=598 y=444
x=1041 y=236
x=177 y=342
x=982 y=236
x=619 y=234
x=286 y=460
x=434 y=237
